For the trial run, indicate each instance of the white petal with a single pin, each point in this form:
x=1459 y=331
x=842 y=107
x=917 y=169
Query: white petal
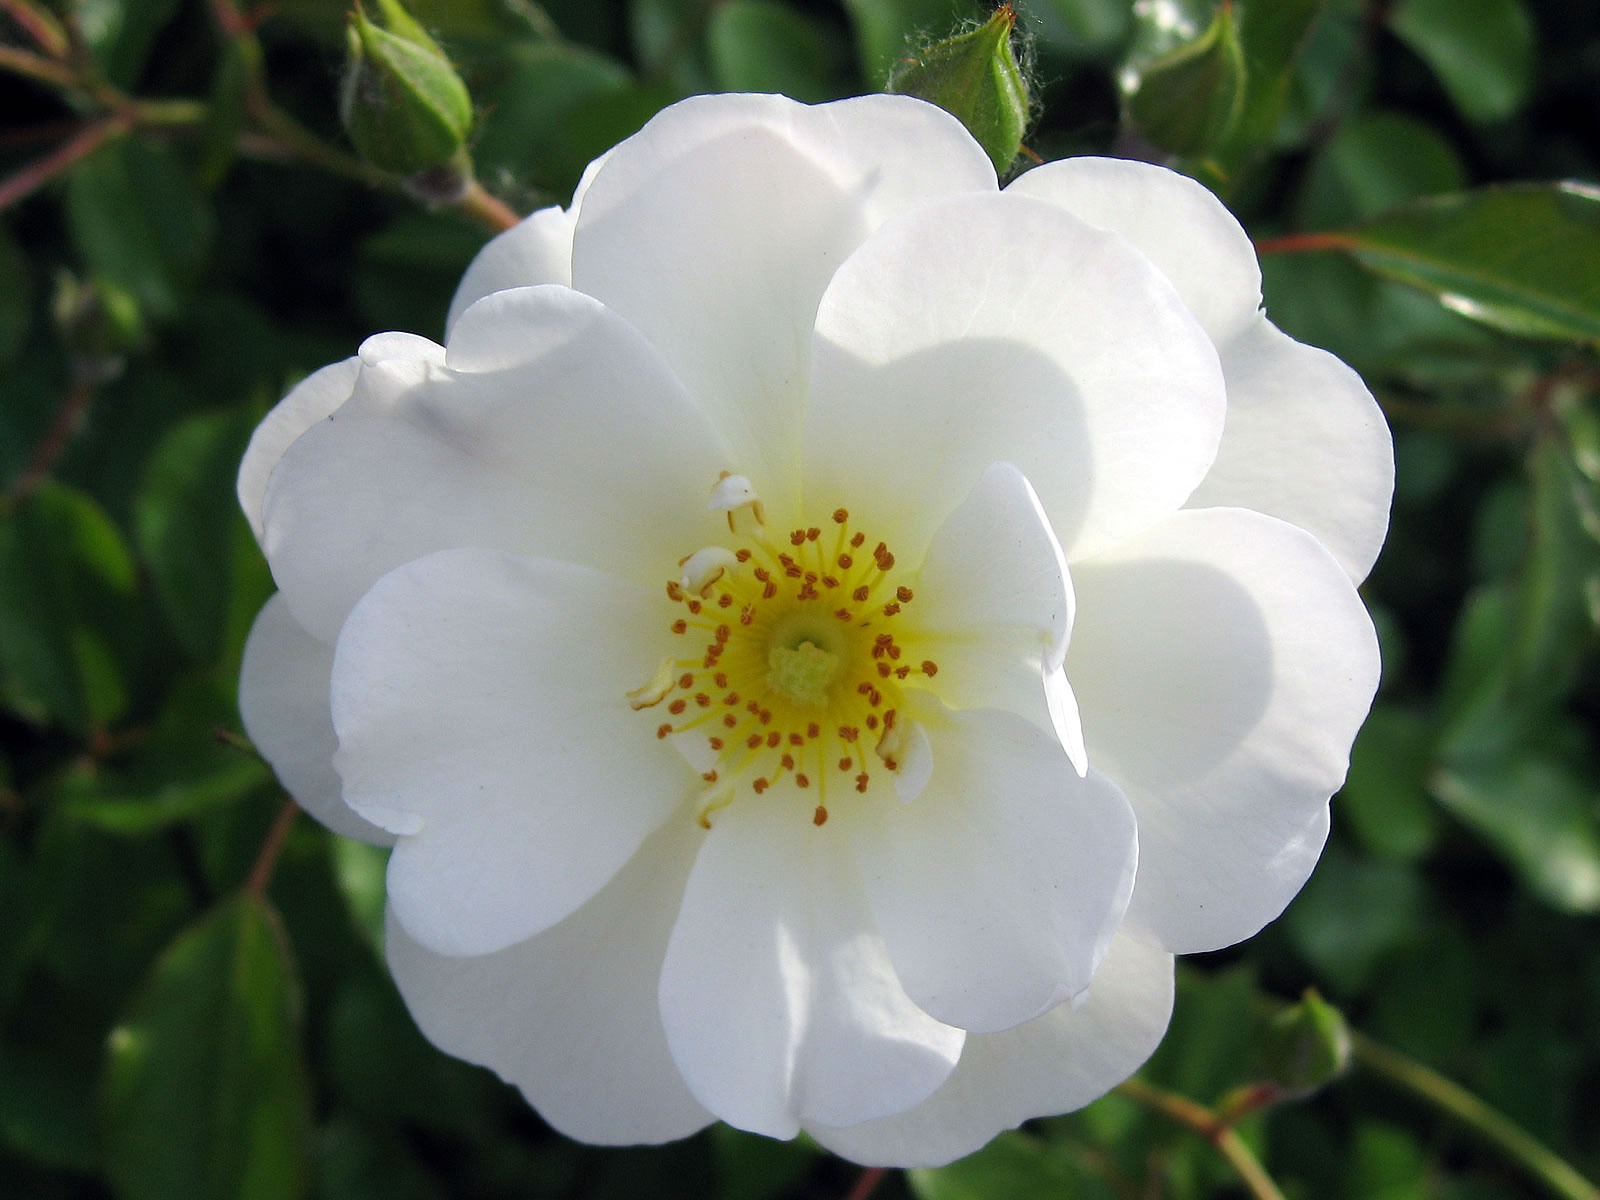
x=571 y=1016
x=1173 y=221
x=553 y=431
x=1053 y=1064
x=993 y=603
x=1304 y=441
x=312 y=399
x=535 y=251
x=1001 y=329
x=999 y=888
x=715 y=229
x=1223 y=663
x=779 y=1001
x=480 y=702
x=283 y=700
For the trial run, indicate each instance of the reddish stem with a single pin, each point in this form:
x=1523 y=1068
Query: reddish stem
x=54 y=443
x=487 y=208
x=1304 y=243
x=45 y=33
x=33 y=177
x=867 y=1183
x=271 y=848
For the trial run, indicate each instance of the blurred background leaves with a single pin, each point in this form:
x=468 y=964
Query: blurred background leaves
x=192 y=998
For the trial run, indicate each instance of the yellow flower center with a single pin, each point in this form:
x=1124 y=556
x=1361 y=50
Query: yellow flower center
x=794 y=663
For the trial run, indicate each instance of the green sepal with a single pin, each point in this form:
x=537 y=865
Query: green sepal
x=1307 y=1046
x=1190 y=100
x=403 y=105
x=975 y=77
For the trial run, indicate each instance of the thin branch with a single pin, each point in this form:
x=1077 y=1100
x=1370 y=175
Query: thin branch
x=1201 y=1120
x=88 y=139
x=40 y=26
x=1558 y=1176
x=867 y=1183
x=482 y=205
x=271 y=848
x=1305 y=243
x=56 y=439
x=37 y=66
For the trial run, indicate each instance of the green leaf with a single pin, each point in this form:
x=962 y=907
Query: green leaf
x=1375 y=161
x=205 y=1090
x=1082 y=28
x=1012 y=1167
x=1428 y=1005
x=554 y=109
x=1553 y=627
x=16 y=298
x=1385 y=798
x=226 y=111
x=1540 y=814
x=380 y=1066
x=669 y=42
x=371 y=1163
x=66 y=605
x=192 y=537
x=1215 y=1032
x=180 y=771
x=750 y=1167
x=1481 y=50
x=1190 y=99
x=1351 y=913
x=763 y=46
x=139 y=221
x=406 y=272
x=47 y=1106
x=889 y=31
x=1524 y=258
x=120 y=33
x=1272 y=34
x=1386 y=1163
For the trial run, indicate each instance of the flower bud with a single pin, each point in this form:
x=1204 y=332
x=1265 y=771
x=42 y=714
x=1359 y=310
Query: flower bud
x=402 y=103
x=1189 y=100
x=1306 y=1046
x=974 y=76
x=99 y=323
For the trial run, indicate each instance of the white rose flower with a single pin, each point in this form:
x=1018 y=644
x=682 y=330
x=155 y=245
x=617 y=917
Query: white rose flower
x=824 y=631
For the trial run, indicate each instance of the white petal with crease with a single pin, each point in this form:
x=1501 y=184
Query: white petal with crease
x=1053 y=1064
x=1000 y=328
x=283 y=700
x=571 y=1016
x=717 y=227
x=994 y=604
x=312 y=399
x=1172 y=220
x=1222 y=663
x=504 y=446
x=535 y=251
x=480 y=703
x=998 y=889
x=1306 y=442
x=779 y=1001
